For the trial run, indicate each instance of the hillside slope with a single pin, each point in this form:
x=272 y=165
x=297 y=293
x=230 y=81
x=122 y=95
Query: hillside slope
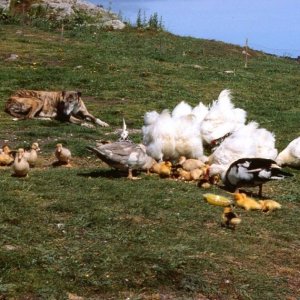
x=89 y=233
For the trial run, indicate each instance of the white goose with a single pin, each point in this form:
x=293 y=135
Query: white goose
x=290 y=156
x=247 y=141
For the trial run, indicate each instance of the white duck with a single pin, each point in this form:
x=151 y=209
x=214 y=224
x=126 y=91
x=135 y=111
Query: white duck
x=32 y=155
x=222 y=119
x=290 y=156
x=124 y=155
x=20 y=166
x=63 y=155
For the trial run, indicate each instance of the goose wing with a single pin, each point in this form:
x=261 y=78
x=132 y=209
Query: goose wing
x=121 y=155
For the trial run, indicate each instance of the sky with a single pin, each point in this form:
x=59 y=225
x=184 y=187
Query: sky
x=272 y=26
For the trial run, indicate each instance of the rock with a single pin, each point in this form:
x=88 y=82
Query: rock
x=12 y=57
x=62 y=9
x=114 y=24
x=67 y=8
x=10 y=247
x=74 y=297
x=4 y=4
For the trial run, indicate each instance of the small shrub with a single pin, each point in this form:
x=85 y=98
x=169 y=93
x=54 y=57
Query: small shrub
x=154 y=22
x=139 y=23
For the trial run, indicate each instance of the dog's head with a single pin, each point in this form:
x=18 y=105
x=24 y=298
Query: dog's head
x=71 y=102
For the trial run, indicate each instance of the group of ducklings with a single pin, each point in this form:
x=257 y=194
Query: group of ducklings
x=185 y=170
x=229 y=217
x=22 y=160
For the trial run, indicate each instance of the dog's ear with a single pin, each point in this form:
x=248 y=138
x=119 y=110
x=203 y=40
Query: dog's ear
x=79 y=94
x=63 y=93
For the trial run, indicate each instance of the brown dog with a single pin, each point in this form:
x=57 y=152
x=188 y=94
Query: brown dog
x=64 y=106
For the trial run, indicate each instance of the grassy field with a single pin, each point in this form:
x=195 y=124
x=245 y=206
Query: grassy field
x=88 y=231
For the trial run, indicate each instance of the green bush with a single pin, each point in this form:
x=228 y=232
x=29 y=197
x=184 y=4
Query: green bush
x=154 y=22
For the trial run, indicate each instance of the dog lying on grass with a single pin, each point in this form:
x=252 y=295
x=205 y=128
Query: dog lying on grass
x=63 y=106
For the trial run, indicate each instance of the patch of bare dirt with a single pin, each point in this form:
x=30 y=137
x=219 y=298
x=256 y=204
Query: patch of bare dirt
x=76 y=162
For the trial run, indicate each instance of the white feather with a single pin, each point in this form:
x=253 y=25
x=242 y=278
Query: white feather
x=222 y=118
x=181 y=109
x=200 y=111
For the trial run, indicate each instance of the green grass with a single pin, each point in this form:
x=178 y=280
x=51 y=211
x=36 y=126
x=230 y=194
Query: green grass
x=90 y=232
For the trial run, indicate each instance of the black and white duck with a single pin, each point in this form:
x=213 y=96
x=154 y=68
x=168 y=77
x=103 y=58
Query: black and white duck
x=252 y=172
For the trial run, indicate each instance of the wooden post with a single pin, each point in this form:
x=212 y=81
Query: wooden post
x=62 y=31
x=246 y=54
x=23 y=13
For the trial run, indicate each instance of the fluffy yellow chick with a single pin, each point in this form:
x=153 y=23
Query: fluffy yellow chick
x=63 y=155
x=246 y=202
x=184 y=175
x=229 y=218
x=163 y=169
x=269 y=205
x=20 y=166
x=190 y=164
x=196 y=174
x=32 y=155
x=6 y=157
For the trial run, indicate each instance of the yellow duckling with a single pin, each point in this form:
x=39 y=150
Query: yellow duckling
x=229 y=218
x=163 y=169
x=20 y=166
x=196 y=174
x=6 y=157
x=184 y=175
x=31 y=156
x=246 y=202
x=63 y=155
x=268 y=206
x=190 y=163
